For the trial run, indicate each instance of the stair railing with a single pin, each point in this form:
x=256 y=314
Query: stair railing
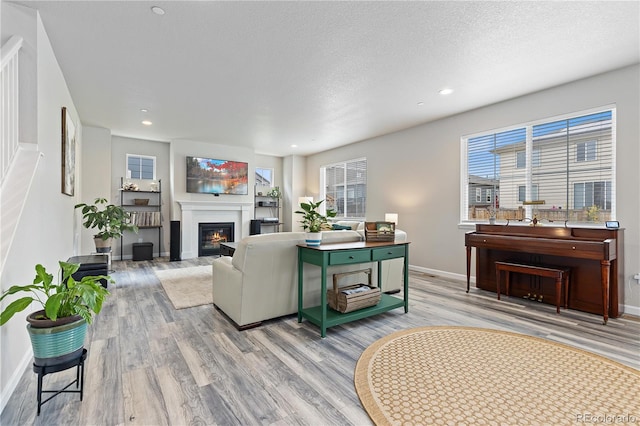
x=9 y=119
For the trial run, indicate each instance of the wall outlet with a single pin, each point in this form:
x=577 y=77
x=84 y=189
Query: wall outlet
x=637 y=278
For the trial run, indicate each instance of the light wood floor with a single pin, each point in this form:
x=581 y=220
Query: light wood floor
x=149 y=364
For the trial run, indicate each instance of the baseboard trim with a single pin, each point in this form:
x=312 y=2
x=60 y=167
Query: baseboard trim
x=15 y=378
x=444 y=274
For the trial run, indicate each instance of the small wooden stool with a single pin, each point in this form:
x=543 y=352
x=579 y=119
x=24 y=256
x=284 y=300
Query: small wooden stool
x=560 y=273
x=43 y=370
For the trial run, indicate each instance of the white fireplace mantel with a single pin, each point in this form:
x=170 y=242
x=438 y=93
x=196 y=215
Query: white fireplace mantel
x=194 y=212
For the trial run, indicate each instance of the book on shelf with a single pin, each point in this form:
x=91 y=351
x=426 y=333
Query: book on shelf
x=146 y=218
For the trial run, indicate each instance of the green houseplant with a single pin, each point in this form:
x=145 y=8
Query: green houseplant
x=110 y=221
x=313 y=222
x=57 y=331
x=274 y=192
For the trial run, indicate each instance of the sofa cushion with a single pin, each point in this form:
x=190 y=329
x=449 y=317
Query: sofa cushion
x=274 y=239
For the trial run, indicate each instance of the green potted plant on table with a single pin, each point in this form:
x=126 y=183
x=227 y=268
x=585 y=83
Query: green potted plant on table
x=57 y=331
x=110 y=221
x=313 y=222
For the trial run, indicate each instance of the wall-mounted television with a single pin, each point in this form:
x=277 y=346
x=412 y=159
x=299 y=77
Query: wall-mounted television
x=211 y=176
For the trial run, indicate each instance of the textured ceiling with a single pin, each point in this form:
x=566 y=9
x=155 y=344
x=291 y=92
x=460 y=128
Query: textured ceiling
x=267 y=75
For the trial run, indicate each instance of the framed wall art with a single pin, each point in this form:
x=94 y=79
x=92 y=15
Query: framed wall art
x=68 y=153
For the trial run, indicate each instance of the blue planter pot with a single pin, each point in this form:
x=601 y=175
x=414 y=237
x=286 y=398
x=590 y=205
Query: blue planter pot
x=313 y=239
x=58 y=343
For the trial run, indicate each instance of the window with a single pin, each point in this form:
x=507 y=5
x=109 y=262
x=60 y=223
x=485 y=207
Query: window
x=521 y=158
x=578 y=173
x=488 y=200
x=141 y=167
x=478 y=195
x=588 y=194
x=522 y=193
x=345 y=188
x=586 y=151
x=264 y=177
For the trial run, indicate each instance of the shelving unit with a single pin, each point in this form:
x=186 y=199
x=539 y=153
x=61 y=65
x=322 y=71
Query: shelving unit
x=146 y=216
x=265 y=206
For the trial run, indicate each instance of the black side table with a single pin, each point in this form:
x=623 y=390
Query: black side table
x=227 y=249
x=91 y=265
x=43 y=370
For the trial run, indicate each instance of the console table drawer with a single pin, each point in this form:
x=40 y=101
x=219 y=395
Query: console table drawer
x=387 y=253
x=344 y=257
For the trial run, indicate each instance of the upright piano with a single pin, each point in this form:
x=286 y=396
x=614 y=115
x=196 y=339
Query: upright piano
x=594 y=255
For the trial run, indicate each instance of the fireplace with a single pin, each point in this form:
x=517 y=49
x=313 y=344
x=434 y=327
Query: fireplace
x=210 y=235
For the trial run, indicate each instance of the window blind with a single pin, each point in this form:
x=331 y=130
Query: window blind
x=556 y=170
x=345 y=188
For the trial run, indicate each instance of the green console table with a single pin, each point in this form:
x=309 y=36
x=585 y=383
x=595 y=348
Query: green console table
x=347 y=254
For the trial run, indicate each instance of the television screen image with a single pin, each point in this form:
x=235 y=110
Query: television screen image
x=210 y=176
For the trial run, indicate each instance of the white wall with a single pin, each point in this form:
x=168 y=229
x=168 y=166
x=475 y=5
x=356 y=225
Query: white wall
x=296 y=187
x=120 y=147
x=46 y=229
x=95 y=152
x=416 y=172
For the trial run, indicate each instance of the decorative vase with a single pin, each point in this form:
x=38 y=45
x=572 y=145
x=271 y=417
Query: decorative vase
x=492 y=220
x=54 y=342
x=313 y=239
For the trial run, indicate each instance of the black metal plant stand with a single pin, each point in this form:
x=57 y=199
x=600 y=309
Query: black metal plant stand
x=43 y=370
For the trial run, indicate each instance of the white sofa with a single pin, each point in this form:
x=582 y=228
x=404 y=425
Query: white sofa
x=260 y=281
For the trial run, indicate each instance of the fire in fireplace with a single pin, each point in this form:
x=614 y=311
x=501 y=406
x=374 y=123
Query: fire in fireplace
x=210 y=235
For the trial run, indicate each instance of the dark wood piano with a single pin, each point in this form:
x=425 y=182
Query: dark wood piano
x=595 y=257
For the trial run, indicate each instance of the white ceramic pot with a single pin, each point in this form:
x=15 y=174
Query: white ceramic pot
x=313 y=239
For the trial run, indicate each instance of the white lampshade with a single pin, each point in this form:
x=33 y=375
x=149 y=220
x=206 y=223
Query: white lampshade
x=391 y=217
x=307 y=200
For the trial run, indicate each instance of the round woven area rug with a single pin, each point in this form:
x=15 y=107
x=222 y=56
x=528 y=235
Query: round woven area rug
x=474 y=376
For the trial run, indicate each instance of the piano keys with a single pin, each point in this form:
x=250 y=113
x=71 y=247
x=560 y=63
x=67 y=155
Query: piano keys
x=595 y=256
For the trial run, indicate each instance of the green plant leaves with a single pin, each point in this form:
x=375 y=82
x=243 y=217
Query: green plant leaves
x=15 y=307
x=110 y=222
x=68 y=298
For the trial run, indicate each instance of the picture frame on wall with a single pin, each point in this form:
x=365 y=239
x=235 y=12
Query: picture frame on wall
x=68 y=153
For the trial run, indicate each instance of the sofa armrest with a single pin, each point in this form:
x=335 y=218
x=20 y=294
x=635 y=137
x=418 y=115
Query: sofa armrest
x=227 y=287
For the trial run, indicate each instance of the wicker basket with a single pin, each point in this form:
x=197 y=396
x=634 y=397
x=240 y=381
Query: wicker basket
x=344 y=303
x=380 y=231
x=141 y=201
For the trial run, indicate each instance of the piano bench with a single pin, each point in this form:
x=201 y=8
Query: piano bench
x=559 y=273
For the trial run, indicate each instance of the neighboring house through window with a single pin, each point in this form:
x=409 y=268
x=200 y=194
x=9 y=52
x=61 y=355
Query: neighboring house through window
x=577 y=175
x=521 y=159
x=586 y=151
x=522 y=193
x=264 y=176
x=344 y=188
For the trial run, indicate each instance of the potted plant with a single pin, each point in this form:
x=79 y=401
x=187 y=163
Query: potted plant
x=57 y=331
x=110 y=221
x=313 y=222
x=493 y=212
x=274 y=192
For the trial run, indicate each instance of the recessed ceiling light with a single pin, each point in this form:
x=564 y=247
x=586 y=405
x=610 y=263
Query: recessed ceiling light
x=446 y=91
x=147 y=122
x=144 y=110
x=420 y=103
x=157 y=10
x=294 y=146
